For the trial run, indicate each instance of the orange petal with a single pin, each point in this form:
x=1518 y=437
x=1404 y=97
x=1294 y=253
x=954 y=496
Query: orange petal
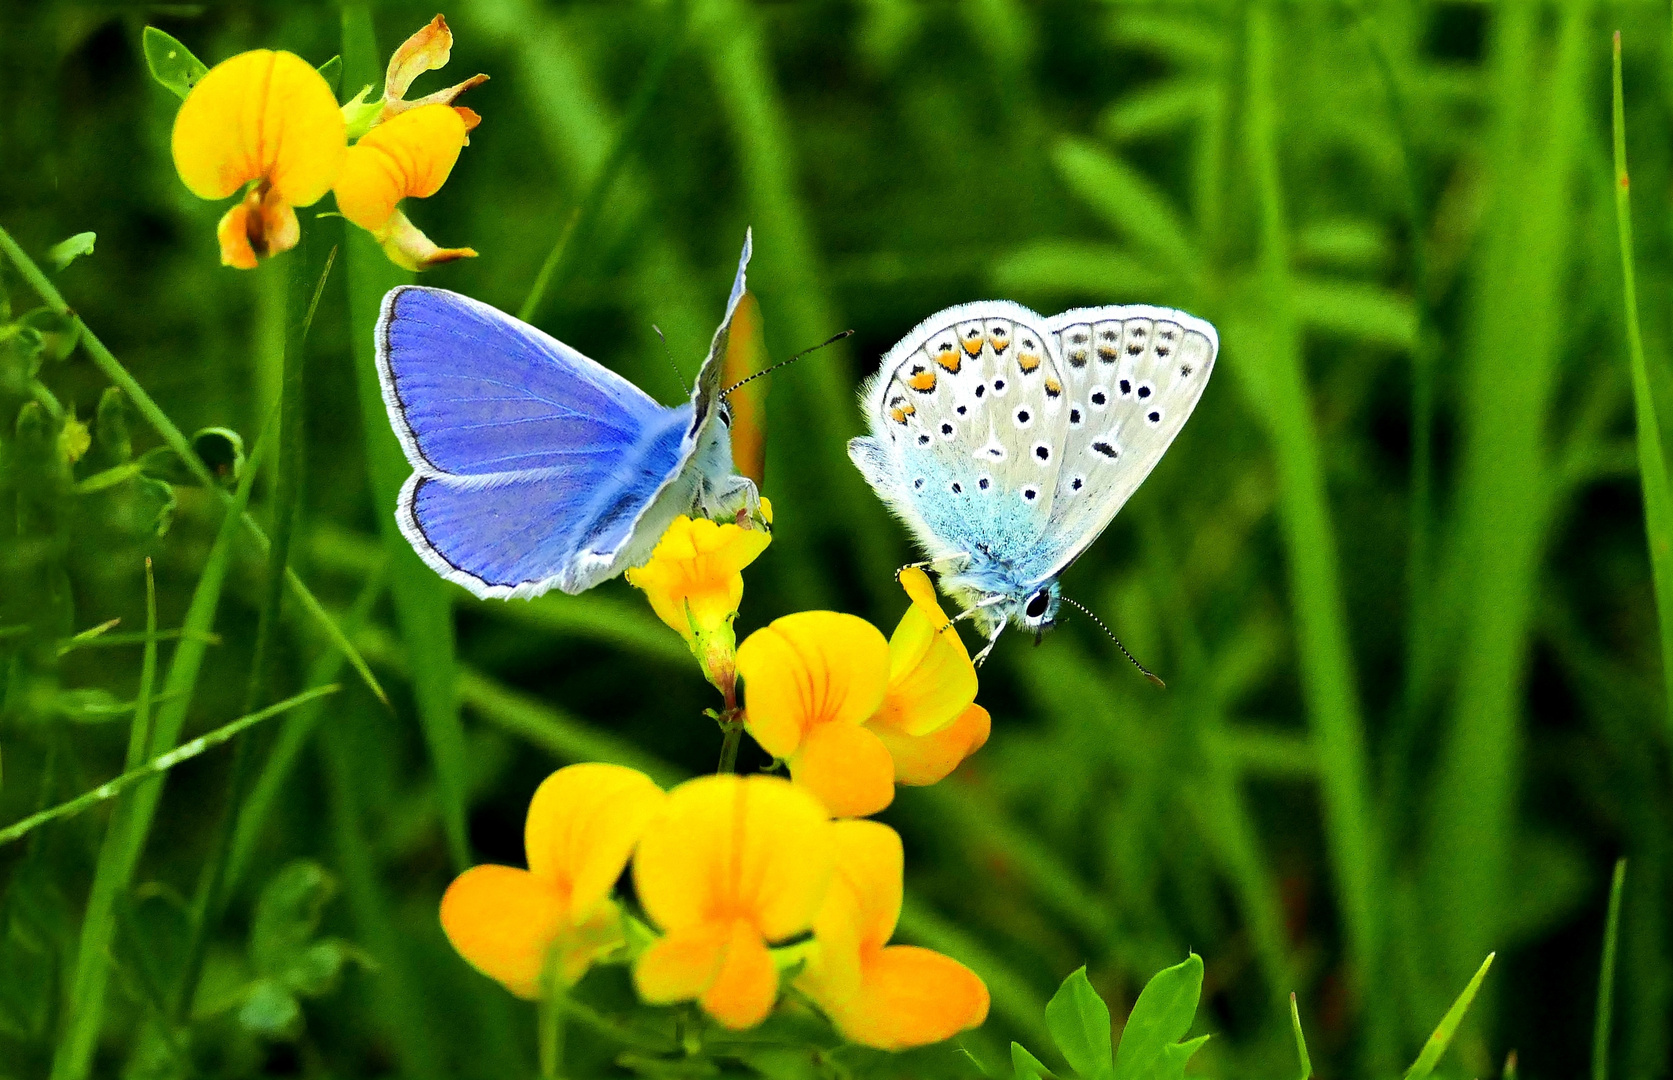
x=503 y=921
x=234 y=234
x=743 y=993
x=583 y=823
x=409 y=156
x=426 y=50
x=261 y=114
x=744 y=847
x=848 y=768
x=859 y=912
x=912 y=997
x=682 y=964
x=927 y=759
x=812 y=668
x=931 y=678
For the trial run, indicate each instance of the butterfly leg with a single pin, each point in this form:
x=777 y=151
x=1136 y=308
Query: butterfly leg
x=734 y=499
x=992 y=641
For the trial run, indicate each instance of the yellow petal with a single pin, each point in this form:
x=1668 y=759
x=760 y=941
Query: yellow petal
x=927 y=759
x=260 y=115
x=503 y=921
x=409 y=156
x=931 y=678
x=859 y=912
x=233 y=232
x=744 y=847
x=583 y=823
x=583 y=944
x=746 y=986
x=694 y=577
x=426 y=50
x=911 y=997
x=682 y=964
x=410 y=249
x=921 y=591
x=847 y=768
x=807 y=669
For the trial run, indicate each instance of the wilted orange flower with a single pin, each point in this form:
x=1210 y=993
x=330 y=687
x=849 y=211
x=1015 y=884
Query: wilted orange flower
x=853 y=715
x=694 y=581
x=582 y=826
x=731 y=865
x=427 y=50
x=886 y=996
x=267 y=120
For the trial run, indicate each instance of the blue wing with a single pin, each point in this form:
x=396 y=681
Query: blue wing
x=532 y=463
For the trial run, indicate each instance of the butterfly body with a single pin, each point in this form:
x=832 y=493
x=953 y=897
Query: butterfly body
x=1007 y=440
x=535 y=467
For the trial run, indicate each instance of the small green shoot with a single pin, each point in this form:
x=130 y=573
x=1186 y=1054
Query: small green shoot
x=68 y=251
x=1149 y=1049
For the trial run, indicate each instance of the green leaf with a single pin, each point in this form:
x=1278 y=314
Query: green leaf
x=1160 y=1018
x=68 y=251
x=332 y=72
x=271 y=1011
x=110 y=428
x=1442 y=1037
x=288 y=915
x=1300 y=1041
x=171 y=63
x=1026 y=1066
x=1127 y=200
x=1080 y=1023
x=1160 y=109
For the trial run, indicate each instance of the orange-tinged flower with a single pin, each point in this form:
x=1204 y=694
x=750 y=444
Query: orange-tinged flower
x=929 y=719
x=427 y=50
x=731 y=865
x=694 y=581
x=582 y=826
x=886 y=996
x=812 y=681
x=409 y=156
x=267 y=120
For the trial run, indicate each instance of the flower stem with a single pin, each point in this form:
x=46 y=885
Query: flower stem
x=734 y=734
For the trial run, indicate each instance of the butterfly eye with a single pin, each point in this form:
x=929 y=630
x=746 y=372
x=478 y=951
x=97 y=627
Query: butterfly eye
x=1037 y=605
x=725 y=415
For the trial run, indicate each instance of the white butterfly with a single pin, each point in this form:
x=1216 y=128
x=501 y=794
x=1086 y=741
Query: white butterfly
x=1007 y=441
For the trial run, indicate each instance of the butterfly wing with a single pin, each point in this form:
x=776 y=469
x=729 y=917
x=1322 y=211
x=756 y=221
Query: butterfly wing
x=1134 y=373
x=968 y=414
x=746 y=355
x=532 y=463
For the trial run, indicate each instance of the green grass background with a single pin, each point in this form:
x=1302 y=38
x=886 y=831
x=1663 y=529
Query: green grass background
x=1395 y=570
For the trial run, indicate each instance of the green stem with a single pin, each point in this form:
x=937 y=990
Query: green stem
x=734 y=735
x=1603 y=1021
x=559 y=261
x=113 y=370
x=553 y=1010
x=158 y=765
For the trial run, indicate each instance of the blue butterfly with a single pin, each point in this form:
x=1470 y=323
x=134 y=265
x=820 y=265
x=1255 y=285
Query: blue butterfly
x=534 y=467
x=1007 y=441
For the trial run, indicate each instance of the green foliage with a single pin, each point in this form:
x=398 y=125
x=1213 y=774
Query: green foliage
x=289 y=959
x=1150 y=1047
x=171 y=63
x=65 y=252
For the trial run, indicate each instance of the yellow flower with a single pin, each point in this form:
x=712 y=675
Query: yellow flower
x=694 y=581
x=582 y=826
x=731 y=865
x=409 y=156
x=890 y=997
x=267 y=120
x=812 y=680
x=852 y=714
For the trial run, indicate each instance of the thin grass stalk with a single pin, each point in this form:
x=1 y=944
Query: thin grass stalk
x=130 y=822
x=1603 y=1020
x=423 y=610
x=112 y=369
x=578 y=226
x=1328 y=680
x=1652 y=457
x=304 y=291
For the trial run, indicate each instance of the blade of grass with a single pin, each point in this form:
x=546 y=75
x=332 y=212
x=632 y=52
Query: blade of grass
x=158 y=765
x=1617 y=885
x=1430 y=1056
x=423 y=611
x=1652 y=457
x=297 y=317
x=130 y=822
x=1300 y=1040
x=1280 y=392
x=1496 y=561
x=578 y=227
x=113 y=370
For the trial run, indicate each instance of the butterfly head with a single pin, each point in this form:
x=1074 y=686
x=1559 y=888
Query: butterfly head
x=1038 y=610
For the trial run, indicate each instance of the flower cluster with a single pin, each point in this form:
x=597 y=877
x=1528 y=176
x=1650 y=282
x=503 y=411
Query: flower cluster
x=267 y=123
x=744 y=881
x=724 y=867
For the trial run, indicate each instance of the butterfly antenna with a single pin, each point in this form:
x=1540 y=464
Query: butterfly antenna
x=669 y=354
x=782 y=363
x=1146 y=672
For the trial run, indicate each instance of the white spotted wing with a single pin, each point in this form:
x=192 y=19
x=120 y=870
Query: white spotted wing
x=969 y=414
x=1133 y=374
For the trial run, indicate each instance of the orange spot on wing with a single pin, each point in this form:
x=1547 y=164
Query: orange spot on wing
x=950 y=360
x=1053 y=387
x=1028 y=361
x=973 y=345
x=922 y=381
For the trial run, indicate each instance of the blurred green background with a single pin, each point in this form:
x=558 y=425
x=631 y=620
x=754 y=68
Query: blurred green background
x=1394 y=570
